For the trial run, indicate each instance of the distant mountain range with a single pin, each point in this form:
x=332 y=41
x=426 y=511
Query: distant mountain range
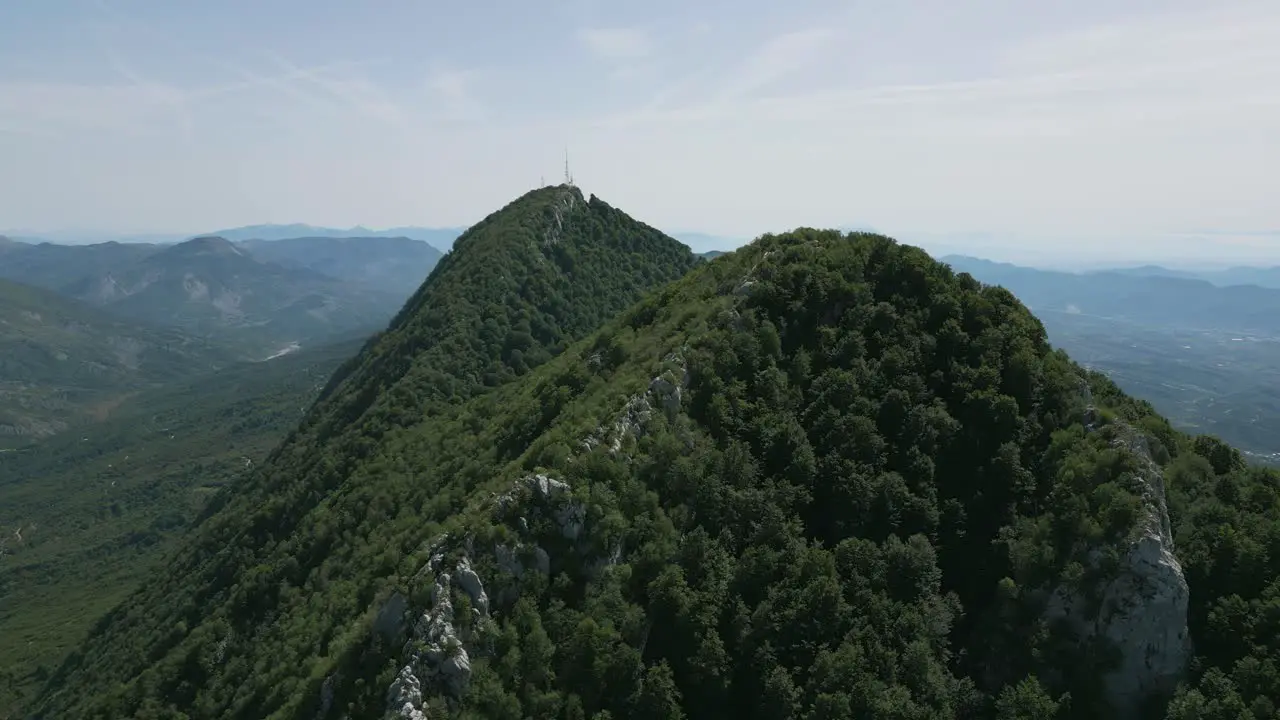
x=260 y=296
x=1150 y=296
x=1268 y=277
x=441 y=238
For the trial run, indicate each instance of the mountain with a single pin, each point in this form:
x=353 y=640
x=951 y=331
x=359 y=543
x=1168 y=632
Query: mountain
x=1207 y=357
x=821 y=477
x=1152 y=301
x=441 y=238
x=63 y=362
x=519 y=286
x=1267 y=277
x=58 y=266
x=212 y=287
x=85 y=516
x=394 y=264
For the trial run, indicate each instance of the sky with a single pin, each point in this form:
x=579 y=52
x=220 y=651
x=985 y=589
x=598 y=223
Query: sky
x=1059 y=131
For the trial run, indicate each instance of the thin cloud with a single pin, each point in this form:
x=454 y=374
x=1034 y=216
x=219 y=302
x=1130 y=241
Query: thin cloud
x=453 y=97
x=616 y=43
x=357 y=92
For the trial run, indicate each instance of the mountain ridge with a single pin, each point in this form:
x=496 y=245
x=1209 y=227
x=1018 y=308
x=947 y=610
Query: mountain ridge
x=823 y=476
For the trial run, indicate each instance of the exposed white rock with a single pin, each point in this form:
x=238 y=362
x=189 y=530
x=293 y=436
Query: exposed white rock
x=1143 y=607
x=569 y=513
x=470 y=583
x=404 y=698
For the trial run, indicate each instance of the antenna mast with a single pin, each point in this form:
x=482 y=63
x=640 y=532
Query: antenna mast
x=568 y=179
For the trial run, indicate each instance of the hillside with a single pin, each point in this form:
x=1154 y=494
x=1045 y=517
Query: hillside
x=820 y=477
x=1190 y=352
x=63 y=362
x=520 y=285
x=393 y=264
x=212 y=287
x=85 y=516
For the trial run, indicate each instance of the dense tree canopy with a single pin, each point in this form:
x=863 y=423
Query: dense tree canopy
x=858 y=481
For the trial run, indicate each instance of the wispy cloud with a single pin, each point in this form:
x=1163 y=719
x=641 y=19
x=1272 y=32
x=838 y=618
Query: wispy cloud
x=452 y=96
x=1204 y=63
x=616 y=43
x=355 y=91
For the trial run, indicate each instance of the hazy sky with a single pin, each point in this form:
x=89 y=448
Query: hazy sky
x=1082 y=127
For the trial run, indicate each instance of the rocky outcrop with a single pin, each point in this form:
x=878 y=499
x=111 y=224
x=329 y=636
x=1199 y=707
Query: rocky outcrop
x=436 y=653
x=665 y=391
x=539 y=492
x=1141 y=608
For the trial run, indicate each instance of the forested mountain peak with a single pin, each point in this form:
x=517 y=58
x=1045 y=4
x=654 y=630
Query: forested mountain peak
x=517 y=288
x=821 y=477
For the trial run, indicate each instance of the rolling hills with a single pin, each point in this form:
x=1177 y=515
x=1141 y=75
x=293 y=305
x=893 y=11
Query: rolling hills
x=63 y=362
x=258 y=296
x=585 y=474
x=210 y=286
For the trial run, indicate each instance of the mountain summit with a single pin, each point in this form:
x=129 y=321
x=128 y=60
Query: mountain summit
x=584 y=474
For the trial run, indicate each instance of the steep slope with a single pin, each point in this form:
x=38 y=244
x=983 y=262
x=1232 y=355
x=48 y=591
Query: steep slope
x=210 y=286
x=519 y=286
x=62 y=361
x=822 y=477
x=85 y=516
x=395 y=264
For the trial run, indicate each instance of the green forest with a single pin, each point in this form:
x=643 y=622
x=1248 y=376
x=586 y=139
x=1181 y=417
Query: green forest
x=587 y=474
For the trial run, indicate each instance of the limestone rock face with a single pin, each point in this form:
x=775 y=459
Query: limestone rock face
x=1143 y=606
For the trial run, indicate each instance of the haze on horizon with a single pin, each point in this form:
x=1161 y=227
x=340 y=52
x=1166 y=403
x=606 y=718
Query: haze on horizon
x=1051 y=132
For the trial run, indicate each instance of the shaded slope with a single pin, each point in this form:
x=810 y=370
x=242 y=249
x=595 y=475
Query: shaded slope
x=98 y=508
x=820 y=477
x=517 y=288
x=62 y=361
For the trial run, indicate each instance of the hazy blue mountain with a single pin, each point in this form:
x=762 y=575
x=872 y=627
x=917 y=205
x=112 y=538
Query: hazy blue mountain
x=441 y=238
x=213 y=287
x=1156 y=301
x=55 y=267
x=394 y=264
x=1267 y=277
x=703 y=242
